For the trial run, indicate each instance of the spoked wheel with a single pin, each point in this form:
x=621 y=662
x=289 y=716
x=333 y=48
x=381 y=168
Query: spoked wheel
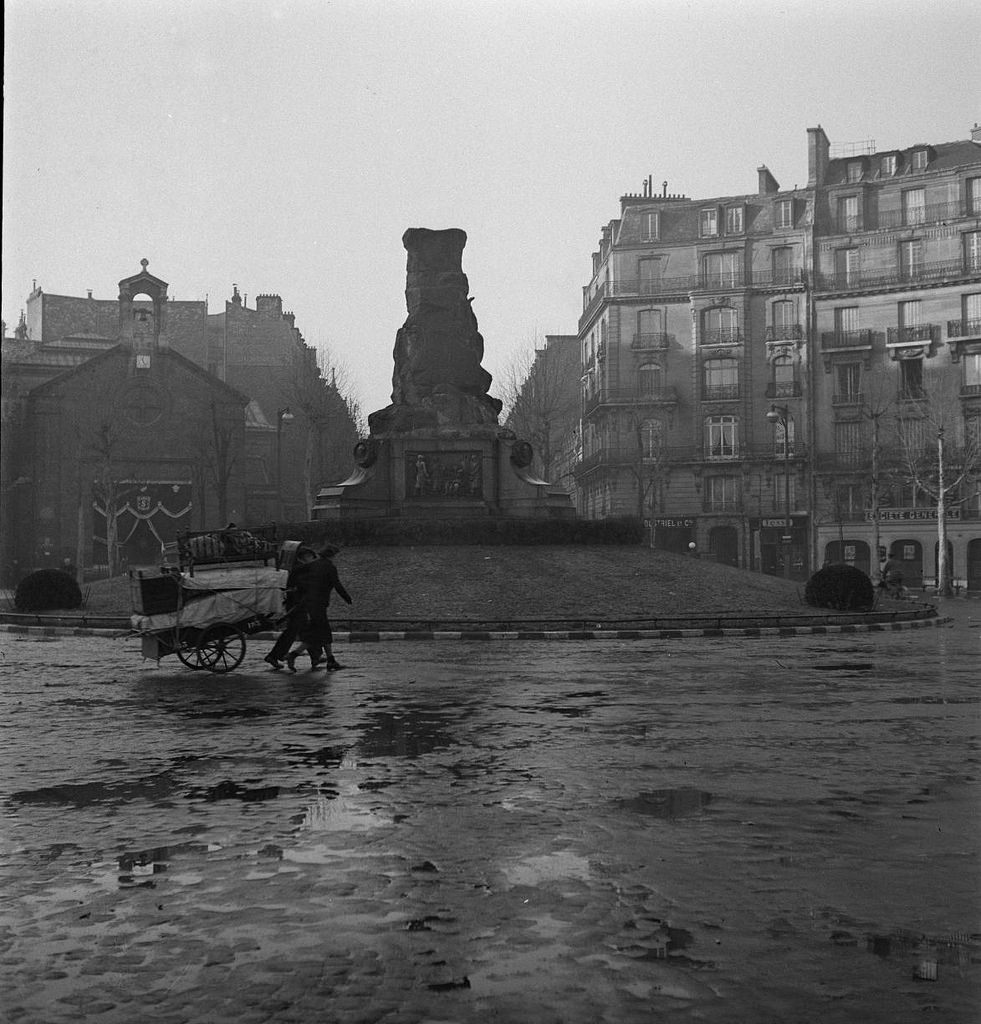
x=221 y=648
x=189 y=655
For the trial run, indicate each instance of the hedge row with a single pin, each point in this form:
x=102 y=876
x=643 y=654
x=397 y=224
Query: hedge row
x=483 y=532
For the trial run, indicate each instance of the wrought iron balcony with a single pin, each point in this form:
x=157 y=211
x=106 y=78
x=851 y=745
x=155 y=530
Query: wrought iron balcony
x=721 y=280
x=846 y=224
x=921 y=334
x=912 y=216
x=783 y=389
x=846 y=339
x=911 y=394
x=654 y=286
x=848 y=398
x=788 y=277
x=720 y=392
x=720 y=336
x=923 y=273
x=629 y=396
x=964 y=328
x=784 y=332
x=774 y=450
x=971 y=391
x=651 y=342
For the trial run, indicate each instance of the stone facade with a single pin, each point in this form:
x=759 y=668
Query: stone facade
x=701 y=316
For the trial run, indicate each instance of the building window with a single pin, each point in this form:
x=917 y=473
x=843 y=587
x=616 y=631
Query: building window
x=910 y=259
x=650 y=327
x=734 y=220
x=919 y=162
x=784 y=490
x=974 y=197
x=721 y=379
x=971 y=307
x=719 y=326
x=972 y=370
x=650 y=227
x=783 y=319
x=143 y=360
x=888 y=165
x=850 y=501
x=911 y=378
x=784 y=382
x=912 y=438
x=651 y=438
x=778 y=433
x=848 y=382
x=708 y=223
x=721 y=437
x=846 y=267
x=721 y=494
x=914 y=206
x=848 y=214
x=650 y=380
x=854 y=170
x=909 y=314
x=846 y=321
x=785 y=213
x=650 y=275
x=850 y=442
x=720 y=270
x=972 y=250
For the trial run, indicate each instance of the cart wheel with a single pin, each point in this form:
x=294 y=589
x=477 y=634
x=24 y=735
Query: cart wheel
x=221 y=648
x=189 y=655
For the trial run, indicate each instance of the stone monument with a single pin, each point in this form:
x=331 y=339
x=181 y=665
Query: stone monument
x=438 y=449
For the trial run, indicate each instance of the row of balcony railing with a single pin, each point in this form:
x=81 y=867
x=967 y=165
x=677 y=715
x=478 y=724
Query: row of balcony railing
x=857 y=278
x=910 y=216
x=691 y=454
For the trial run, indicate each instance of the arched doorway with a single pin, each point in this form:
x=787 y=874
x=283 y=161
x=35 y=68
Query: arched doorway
x=724 y=545
x=909 y=553
x=974 y=564
x=851 y=552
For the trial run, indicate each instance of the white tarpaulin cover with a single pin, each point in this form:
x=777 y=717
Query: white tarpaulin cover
x=223 y=594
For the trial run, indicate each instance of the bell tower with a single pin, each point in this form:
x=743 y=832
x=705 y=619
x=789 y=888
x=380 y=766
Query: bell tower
x=142 y=327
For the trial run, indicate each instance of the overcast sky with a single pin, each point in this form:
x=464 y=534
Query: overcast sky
x=286 y=146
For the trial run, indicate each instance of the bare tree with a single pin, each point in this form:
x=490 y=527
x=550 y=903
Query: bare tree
x=218 y=458
x=937 y=456
x=332 y=420
x=109 y=491
x=539 y=388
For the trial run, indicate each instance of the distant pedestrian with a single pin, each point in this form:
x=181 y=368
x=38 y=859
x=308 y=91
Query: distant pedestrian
x=295 y=614
x=891 y=577
x=314 y=582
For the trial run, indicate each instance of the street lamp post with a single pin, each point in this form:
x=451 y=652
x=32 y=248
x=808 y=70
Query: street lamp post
x=282 y=416
x=781 y=414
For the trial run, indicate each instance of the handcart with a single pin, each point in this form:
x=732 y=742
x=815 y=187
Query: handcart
x=205 y=618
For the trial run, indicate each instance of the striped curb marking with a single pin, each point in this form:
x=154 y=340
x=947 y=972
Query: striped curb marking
x=378 y=636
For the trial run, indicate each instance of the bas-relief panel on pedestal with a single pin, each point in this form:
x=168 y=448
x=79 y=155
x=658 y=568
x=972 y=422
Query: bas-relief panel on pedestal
x=431 y=474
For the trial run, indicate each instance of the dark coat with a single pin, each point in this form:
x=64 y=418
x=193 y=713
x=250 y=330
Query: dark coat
x=313 y=583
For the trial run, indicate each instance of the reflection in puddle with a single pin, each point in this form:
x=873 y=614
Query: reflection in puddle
x=667 y=803
x=548 y=868
x=408 y=734
x=84 y=794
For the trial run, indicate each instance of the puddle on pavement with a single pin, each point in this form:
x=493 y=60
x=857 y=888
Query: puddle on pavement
x=548 y=868
x=844 y=666
x=84 y=794
x=409 y=734
x=228 y=790
x=667 y=804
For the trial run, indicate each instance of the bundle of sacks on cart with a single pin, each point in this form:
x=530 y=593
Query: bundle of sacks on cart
x=204 y=547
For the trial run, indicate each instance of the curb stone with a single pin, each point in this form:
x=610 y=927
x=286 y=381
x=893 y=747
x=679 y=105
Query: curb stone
x=378 y=636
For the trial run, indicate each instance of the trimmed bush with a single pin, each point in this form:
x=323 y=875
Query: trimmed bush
x=482 y=532
x=47 y=590
x=841 y=587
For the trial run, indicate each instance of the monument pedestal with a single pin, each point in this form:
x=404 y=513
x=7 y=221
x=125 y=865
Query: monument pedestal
x=437 y=451
x=443 y=475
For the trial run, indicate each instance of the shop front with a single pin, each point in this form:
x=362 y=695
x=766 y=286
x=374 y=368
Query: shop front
x=771 y=542
x=673 y=533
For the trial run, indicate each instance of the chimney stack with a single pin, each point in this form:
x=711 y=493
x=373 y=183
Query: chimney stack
x=768 y=184
x=818 y=153
x=976 y=133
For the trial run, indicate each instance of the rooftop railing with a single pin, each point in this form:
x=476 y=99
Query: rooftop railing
x=923 y=273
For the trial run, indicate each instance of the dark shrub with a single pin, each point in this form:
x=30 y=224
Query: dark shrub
x=46 y=590
x=841 y=587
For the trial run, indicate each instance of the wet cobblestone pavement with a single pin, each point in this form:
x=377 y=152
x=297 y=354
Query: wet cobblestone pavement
x=722 y=830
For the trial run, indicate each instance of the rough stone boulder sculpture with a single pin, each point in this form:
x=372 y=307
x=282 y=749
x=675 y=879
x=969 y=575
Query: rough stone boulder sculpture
x=438 y=382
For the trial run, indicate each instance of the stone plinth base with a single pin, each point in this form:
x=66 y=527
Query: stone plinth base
x=443 y=475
